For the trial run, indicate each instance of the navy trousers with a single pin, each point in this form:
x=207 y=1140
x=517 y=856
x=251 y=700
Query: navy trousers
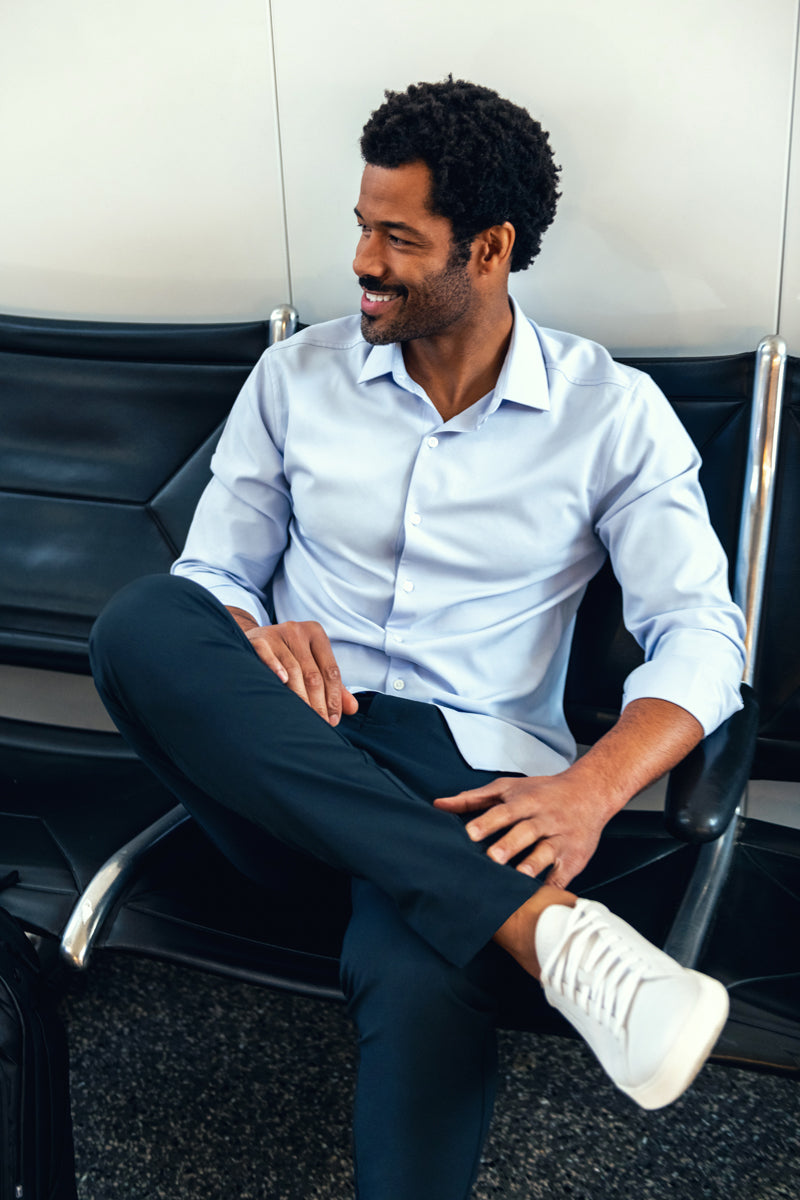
x=250 y=760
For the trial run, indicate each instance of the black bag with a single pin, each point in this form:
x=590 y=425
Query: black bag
x=36 y=1154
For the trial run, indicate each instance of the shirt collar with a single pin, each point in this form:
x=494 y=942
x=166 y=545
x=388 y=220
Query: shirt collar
x=522 y=378
x=381 y=360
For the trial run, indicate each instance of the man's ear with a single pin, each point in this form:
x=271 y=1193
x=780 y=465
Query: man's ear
x=493 y=248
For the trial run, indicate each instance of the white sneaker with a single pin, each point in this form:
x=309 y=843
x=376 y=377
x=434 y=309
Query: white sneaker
x=651 y=1022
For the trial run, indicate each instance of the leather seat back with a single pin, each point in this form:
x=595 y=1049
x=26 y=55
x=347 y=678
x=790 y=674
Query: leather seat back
x=106 y=433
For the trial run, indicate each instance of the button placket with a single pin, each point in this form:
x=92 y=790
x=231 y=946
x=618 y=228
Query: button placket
x=404 y=584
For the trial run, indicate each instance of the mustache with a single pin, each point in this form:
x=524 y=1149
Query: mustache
x=371 y=284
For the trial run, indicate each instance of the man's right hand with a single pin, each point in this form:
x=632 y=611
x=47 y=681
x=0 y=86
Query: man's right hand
x=301 y=656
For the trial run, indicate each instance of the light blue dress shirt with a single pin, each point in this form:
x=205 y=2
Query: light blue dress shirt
x=446 y=559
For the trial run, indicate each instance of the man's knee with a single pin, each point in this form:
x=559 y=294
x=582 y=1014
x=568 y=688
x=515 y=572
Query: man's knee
x=138 y=630
x=145 y=611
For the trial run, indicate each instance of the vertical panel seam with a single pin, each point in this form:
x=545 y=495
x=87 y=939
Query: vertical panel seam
x=279 y=147
x=793 y=99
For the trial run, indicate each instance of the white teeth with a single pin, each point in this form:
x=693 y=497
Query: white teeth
x=377 y=297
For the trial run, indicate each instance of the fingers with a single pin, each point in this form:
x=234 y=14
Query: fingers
x=542 y=857
x=300 y=654
x=522 y=828
x=543 y=854
x=314 y=671
x=474 y=799
x=266 y=654
x=520 y=837
x=498 y=816
x=560 y=876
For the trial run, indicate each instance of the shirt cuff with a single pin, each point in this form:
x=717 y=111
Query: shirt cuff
x=228 y=593
x=707 y=689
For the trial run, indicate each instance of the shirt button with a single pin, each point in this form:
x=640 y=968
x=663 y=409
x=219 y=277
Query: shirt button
x=433 y=442
x=408 y=585
x=415 y=518
x=398 y=685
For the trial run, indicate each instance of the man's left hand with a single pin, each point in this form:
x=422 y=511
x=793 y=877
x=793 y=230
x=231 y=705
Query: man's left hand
x=550 y=816
x=559 y=818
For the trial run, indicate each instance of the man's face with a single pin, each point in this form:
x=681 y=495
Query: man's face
x=412 y=284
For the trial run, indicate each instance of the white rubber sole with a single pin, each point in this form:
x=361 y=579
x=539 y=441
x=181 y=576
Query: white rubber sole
x=690 y=1051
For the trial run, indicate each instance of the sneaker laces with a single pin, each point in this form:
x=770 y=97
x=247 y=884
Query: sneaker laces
x=596 y=969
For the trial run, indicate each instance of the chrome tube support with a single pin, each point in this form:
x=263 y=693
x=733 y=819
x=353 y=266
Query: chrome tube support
x=106 y=888
x=754 y=529
x=690 y=926
x=693 y=919
x=282 y=323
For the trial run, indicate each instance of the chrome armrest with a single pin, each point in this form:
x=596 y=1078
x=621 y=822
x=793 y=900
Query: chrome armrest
x=107 y=887
x=705 y=789
x=705 y=798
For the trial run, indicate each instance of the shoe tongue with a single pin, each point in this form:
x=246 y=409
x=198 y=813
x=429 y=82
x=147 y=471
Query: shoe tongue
x=550 y=930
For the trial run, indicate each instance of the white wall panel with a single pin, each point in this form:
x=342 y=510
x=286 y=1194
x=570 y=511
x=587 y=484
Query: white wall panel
x=670 y=119
x=790 y=292
x=140 y=175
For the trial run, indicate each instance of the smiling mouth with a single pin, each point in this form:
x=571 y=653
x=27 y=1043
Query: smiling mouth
x=374 y=304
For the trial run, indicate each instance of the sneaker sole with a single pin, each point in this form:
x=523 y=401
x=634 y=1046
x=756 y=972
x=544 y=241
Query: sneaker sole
x=690 y=1051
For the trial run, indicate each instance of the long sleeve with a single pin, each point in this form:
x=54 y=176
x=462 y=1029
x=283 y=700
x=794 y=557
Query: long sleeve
x=240 y=527
x=671 y=567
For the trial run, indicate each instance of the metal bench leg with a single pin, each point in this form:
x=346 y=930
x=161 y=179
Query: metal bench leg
x=693 y=918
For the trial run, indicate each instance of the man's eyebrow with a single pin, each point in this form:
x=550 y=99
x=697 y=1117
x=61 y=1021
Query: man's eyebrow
x=392 y=225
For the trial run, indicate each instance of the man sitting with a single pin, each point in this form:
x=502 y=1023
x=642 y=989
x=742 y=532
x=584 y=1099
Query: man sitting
x=362 y=650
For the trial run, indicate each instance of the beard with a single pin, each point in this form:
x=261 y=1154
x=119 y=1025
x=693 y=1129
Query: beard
x=431 y=307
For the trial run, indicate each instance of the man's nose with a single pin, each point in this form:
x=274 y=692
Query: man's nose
x=368 y=259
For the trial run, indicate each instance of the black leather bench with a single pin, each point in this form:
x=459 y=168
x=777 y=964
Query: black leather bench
x=105 y=436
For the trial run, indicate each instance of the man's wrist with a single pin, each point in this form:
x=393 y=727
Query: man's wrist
x=243 y=619
x=593 y=775
x=650 y=737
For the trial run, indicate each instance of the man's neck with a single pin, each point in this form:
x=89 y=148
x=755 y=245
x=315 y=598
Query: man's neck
x=458 y=367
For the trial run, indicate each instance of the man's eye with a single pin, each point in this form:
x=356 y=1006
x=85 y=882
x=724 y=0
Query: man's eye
x=396 y=241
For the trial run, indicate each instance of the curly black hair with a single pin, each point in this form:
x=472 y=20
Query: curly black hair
x=490 y=161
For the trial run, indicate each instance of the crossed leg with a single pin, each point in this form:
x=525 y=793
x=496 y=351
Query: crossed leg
x=190 y=695
x=188 y=692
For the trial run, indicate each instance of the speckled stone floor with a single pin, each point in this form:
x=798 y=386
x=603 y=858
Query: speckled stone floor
x=190 y=1087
